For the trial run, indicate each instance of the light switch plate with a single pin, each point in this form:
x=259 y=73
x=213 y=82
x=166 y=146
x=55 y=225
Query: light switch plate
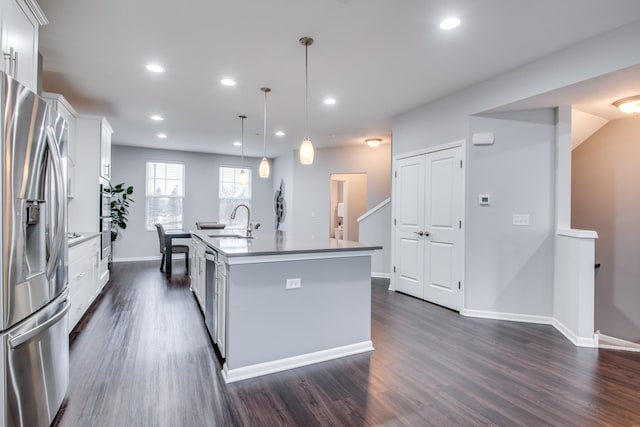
x=520 y=219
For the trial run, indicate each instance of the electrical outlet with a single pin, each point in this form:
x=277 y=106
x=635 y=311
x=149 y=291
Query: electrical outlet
x=520 y=219
x=294 y=283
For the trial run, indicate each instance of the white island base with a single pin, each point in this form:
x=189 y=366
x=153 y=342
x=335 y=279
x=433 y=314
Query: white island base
x=270 y=328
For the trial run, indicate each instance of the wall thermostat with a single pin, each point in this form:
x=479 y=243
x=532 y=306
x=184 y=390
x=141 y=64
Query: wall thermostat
x=484 y=200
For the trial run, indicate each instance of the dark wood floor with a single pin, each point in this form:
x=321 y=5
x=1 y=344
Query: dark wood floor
x=142 y=357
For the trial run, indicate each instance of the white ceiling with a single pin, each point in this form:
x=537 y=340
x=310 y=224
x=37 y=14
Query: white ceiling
x=378 y=58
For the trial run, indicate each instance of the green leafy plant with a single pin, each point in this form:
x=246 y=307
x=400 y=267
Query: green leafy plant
x=120 y=202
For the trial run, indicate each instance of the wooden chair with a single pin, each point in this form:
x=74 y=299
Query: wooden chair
x=176 y=249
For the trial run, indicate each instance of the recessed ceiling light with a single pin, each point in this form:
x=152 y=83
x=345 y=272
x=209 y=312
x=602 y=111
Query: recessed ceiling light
x=280 y=133
x=162 y=135
x=155 y=68
x=228 y=82
x=156 y=118
x=237 y=143
x=450 y=23
x=329 y=101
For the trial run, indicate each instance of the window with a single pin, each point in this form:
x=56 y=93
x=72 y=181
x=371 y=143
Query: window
x=231 y=194
x=165 y=193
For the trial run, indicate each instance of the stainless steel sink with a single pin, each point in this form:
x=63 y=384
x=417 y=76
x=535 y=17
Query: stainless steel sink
x=229 y=236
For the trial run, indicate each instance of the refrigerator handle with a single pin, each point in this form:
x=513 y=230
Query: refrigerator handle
x=58 y=237
x=24 y=337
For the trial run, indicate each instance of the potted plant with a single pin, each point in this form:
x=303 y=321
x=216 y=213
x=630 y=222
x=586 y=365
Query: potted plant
x=120 y=201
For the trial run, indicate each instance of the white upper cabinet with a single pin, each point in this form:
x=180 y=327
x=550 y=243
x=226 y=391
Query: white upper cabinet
x=62 y=107
x=20 y=21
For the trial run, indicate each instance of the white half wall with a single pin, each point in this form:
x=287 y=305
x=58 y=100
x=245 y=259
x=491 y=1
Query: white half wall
x=375 y=229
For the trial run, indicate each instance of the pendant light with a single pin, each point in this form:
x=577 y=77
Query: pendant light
x=264 y=164
x=242 y=177
x=306 y=148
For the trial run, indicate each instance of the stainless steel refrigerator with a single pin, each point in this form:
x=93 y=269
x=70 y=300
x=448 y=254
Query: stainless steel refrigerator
x=34 y=352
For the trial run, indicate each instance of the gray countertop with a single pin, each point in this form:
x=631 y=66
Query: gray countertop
x=227 y=243
x=84 y=236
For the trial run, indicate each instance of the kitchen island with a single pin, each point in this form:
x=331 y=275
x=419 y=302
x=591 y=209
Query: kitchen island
x=284 y=302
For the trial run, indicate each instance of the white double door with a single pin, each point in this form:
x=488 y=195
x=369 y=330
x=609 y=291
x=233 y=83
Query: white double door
x=428 y=227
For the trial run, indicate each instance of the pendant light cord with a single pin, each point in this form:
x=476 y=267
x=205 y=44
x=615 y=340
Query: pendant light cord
x=242 y=140
x=306 y=89
x=264 y=128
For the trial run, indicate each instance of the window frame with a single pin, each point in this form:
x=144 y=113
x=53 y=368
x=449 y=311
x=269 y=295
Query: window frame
x=247 y=201
x=151 y=227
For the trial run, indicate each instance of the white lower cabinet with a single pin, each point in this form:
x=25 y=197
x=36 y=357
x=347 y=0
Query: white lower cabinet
x=84 y=275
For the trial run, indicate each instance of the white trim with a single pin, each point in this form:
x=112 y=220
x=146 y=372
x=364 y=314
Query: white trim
x=576 y=340
x=512 y=317
x=427 y=150
x=578 y=234
x=37 y=12
x=257 y=259
x=251 y=371
x=529 y=318
x=147 y=258
x=374 y=209
x=381 y=275
x=615 y=343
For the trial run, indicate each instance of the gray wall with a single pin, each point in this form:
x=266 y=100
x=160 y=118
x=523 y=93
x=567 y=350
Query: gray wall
x=311 y=197
x=606 y=198
x=201 y=193
x=510 y=268
x=448 y=119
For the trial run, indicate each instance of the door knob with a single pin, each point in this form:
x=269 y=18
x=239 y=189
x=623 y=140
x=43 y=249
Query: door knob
x=419 y=233
x=426 y=234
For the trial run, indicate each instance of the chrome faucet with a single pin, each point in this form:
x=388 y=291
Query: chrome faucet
x=249 y=225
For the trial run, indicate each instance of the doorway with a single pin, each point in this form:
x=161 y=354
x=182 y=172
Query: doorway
x=347 y=202
x=429 y=242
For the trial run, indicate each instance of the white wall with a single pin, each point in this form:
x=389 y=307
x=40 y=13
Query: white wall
x=446 y=120
x=375 y=229
x=201 y=194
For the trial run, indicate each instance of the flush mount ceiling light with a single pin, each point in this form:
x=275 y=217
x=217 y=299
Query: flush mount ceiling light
x=280 y=133
x=162 y=135
x=630 y=105
x=373 y=142
x=306 y=148
x=156 y=118
x=228 y=82
x=263 y=171
x=237 y=143
x=242 y=176
x=450 y=23
x=329 y=101
x=155 y=68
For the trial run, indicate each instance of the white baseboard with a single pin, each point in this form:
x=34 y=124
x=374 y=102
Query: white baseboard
x=138 y=258
x=147 y=258
x=381 y=275
x=251 y=371
x=528 y=318
x=576 y=340
x=513 y=317
x=612 y=343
